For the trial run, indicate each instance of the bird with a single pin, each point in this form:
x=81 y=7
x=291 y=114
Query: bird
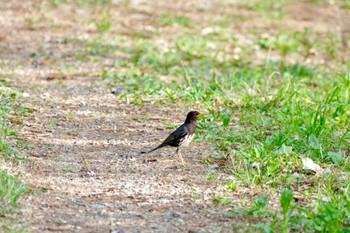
x=182 y=136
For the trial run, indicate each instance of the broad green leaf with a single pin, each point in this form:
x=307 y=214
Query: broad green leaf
x=313 y=142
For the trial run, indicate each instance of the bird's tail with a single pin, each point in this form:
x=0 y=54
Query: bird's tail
x=158 y=147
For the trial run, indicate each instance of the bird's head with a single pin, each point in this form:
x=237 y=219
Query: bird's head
x=192 y=116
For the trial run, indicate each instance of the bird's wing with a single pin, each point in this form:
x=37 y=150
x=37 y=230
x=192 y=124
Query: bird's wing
x=181 y=132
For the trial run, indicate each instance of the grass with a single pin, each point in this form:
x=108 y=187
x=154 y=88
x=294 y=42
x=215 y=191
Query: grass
x=11 y=192
x=180 y=21
x=262 y=116
x=81 y=3
x=12 y=189
x=324 y=216
x=271 y=96
x=267 y=8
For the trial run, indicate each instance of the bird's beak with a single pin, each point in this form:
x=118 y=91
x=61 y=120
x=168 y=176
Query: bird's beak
x=200 y=115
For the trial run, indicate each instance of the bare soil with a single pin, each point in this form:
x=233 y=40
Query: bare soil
x=91 y=176
x=85 y=169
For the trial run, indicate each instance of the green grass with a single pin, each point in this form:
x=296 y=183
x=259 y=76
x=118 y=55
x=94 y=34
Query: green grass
x=331 y=215
x=262 y=117
x=343 y=3
x=11 y=188
x=178 y=20
x=103 y=25
x=12 y=191
x=267 y=8
x=81 y=3
x=271 y=96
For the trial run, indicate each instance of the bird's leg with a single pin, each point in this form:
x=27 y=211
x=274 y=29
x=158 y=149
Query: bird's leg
x=179 y=154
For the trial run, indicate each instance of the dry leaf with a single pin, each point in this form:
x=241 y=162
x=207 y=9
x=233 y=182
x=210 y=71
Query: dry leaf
x=309 y=164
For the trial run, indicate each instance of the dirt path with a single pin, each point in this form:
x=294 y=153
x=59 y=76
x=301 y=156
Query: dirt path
x=91 y=176
x=85 y=169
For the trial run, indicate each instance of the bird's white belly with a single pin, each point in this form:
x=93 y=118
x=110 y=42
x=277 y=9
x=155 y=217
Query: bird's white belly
x=187 y=140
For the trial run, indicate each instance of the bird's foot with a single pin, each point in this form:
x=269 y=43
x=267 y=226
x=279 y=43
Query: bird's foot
x=183 y=163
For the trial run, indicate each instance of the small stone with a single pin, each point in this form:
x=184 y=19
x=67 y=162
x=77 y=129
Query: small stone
x=25 y=95
x=116 y=231
x=39 y=154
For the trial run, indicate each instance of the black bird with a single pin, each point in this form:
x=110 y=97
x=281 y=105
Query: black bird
x=183 y=135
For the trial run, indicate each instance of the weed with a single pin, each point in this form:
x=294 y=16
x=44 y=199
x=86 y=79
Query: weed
x=11 y=189
x=213 y=176
x=57 y=3
x=69 y=116
x=167 y=20
x=222 y=201
x=53 y=122
x=91 y=3
x=267 y=8
x=231 y=186
x=103 y=25
x=287 y=208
